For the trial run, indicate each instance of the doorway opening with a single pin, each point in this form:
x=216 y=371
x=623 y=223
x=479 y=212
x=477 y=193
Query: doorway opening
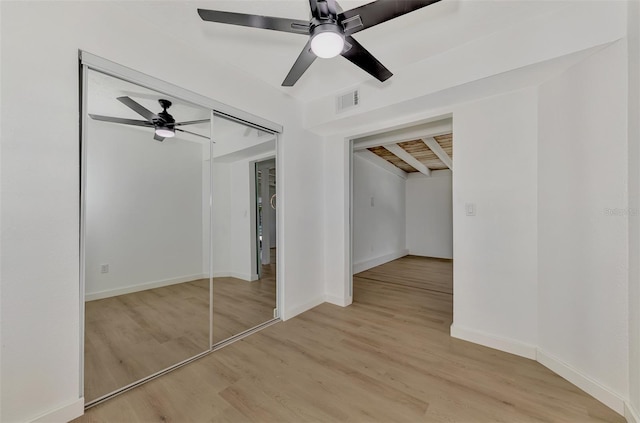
x=402 y=219
x=266 y=221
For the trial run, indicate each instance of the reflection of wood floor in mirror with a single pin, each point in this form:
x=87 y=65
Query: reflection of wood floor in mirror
x=131 y=336
x=386 y=358
x=240 y=305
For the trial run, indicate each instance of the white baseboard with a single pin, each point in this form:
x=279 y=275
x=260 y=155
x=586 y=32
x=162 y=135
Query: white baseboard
x=342 y=302
x=294 y=311
x=430 y=255
x=495 y=342
x=631 y=414
x=582 y=381
x=62 y=414
x=579 y=379
x=242 y=276
x=142 y=287
x=377 y=261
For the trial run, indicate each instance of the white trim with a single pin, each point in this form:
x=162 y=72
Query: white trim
x=496 y=342
x=631 y=414
x=438 y=151
x=394 y=136
x=349 y=290
x=280 y=232
x=381 y=163
x=106 y=66
x=242 y=276
x=582 y=381
x=82 y=225
x=408 y=158
x=142 y=287
x=62 y=414
x=294 y=311
x=342 y=302
x=377 y=261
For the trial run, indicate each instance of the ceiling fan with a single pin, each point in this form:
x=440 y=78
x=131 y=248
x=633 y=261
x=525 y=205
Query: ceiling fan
x=163 y=123
x=330 y=31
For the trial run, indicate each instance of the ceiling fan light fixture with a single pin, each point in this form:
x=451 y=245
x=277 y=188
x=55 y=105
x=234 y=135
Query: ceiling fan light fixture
x=165 y=132
x=327 y=41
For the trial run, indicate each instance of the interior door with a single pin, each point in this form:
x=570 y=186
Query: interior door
x=244 y=279
x=146 y=245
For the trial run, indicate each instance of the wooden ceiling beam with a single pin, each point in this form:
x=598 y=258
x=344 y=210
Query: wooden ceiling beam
x=408 y=158
x=438 y=151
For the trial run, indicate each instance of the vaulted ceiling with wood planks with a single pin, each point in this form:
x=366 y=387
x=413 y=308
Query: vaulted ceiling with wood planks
x=434 y=153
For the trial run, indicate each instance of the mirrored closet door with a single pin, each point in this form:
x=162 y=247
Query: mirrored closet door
x=244 y=228
x=147 y=245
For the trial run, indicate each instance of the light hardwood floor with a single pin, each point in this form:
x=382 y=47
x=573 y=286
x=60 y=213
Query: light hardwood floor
x=132 y=336
x=240 y=305
x=386 y=358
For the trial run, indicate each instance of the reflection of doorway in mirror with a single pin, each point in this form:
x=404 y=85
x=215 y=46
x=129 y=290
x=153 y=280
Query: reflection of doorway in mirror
x=244 y=279
x=266 y=206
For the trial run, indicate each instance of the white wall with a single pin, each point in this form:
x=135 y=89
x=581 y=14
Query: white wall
x=378 y=215
x=40 y=181
x=337 y=220
x=429 y=210
x=495 y=266
x=242 y=221
x=583 y=219
x=221 y=209
x=634 y=204
x=143 y=210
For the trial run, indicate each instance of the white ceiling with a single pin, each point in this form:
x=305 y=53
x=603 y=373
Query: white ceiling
x=268 y=55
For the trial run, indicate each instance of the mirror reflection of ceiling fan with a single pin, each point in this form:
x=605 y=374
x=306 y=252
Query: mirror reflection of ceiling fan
x=163 y=123
x=330 y=31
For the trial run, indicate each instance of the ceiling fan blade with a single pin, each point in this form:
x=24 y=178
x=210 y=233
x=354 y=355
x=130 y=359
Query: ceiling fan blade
x=360 y=57
x=191 y=122
x=304 y=60
x=313 y=4
x=374 y=13
x=192 y=133
x=121 y=120
x=157 y=137
x=138 y=108
x=255 y=21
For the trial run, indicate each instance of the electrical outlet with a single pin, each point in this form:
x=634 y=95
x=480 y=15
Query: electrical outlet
x=275 y=313
x=470 y=209
x=104 y=268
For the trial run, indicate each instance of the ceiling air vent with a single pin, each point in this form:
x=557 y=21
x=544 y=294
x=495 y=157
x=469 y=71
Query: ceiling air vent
x=347 y=101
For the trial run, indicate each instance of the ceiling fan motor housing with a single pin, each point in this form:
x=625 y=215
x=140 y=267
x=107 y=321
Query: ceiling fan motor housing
x=318 y=27
x=165 y=118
